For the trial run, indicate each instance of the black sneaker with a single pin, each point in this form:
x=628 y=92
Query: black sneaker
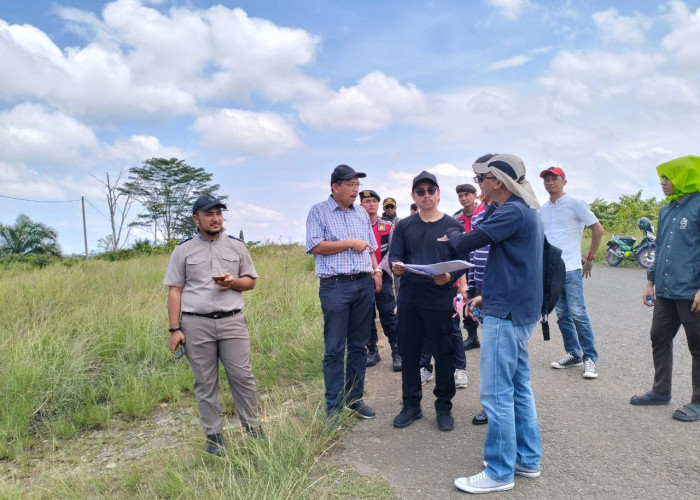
x=407 y=416
x=373 y=358
x=396 y=362
x=361 y=409
x=480 y=418
x=215 y=444
x=568 y=361
x=445 y=421
x=472 y=343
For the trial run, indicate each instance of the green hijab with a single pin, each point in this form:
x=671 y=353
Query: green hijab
x=684 y=173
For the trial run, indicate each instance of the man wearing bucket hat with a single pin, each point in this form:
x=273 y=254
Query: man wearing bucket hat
x=511 y=302
x=206 y=276
x=673 y=283
x=564 y=218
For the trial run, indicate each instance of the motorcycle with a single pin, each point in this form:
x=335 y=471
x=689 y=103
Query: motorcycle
x=623 y=247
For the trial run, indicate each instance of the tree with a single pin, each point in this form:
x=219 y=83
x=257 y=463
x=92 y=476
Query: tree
x=166 y=189
x=27 y=236
x=117 y=201
x=620 y=217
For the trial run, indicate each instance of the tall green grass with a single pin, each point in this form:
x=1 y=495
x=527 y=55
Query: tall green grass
x=86 y=345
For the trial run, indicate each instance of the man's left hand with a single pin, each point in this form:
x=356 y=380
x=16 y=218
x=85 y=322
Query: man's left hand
x=226 y=283
x=695 y=307
x=587 y=266
x=442 y=279
x=377 y=278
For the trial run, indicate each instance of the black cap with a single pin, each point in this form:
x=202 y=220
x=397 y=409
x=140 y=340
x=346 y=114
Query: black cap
x=343 y=173
x=389 y=201
x=368 y=193
x=466 y=188
x=424 y=176
x=205 y=202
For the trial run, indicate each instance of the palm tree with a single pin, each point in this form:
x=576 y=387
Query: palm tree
x=27 y=236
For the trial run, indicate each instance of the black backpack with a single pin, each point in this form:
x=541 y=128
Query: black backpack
x=553 y=276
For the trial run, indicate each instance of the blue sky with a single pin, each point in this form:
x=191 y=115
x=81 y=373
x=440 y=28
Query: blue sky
x=269 y=96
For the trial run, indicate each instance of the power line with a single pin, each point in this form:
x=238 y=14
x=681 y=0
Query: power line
x=96 y=210
x=38 y=201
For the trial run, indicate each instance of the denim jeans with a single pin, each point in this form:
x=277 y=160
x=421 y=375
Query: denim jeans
x=347 y=313
x=572 y=318
x=513 y=433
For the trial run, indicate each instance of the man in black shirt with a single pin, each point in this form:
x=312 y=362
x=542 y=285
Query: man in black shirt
x=425 y=302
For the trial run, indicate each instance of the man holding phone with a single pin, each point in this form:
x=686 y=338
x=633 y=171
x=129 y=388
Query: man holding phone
x=206 y=276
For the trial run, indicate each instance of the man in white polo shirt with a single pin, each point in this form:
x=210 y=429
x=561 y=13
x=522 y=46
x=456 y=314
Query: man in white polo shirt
x=564 y=219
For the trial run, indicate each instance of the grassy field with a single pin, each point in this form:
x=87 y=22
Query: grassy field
x=93 y=405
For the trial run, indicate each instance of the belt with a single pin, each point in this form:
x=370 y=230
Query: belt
x=213 y=315
x=343 y=277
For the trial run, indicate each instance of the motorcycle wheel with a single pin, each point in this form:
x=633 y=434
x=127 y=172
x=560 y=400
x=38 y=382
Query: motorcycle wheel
x=613 y=259
x=646 y=257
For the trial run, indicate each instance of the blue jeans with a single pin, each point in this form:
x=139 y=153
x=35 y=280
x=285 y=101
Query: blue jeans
x=347 y=313
x=572 y=318
x=513 y=433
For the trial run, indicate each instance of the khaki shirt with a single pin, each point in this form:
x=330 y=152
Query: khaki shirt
x=196 y=260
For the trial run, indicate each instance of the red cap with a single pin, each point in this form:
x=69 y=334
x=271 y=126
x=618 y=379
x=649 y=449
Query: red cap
x=553 y=171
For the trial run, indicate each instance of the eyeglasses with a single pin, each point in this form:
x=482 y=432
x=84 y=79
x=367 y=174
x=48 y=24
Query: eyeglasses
x=421 y=191
x=480 y=178
x=353 y=185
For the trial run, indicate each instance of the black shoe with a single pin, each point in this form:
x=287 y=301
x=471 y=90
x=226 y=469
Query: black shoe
x=255 y=432
x=361 y=409
x=373 y=358
x=396 y=362
x=407 y=416
x=472 y=343
x=445 y=421
x=480 y=418
x=215 y=444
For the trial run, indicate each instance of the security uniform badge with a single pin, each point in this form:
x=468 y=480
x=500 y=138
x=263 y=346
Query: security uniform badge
x=381 y=227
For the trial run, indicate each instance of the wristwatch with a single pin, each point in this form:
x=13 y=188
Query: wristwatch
x=173 y=330
x=377 y=270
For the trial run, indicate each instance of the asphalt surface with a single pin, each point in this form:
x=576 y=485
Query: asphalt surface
x=595 y=444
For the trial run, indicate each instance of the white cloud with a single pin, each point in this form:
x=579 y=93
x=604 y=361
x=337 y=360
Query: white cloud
x=682 y=41
x=510 y=9
x=247 y=132
x=614 y=27
x=32 y=133
x=138 y=148
x=511 y=62
x=372 y=104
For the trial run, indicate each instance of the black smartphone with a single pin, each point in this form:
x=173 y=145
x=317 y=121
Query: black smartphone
x=180 y=350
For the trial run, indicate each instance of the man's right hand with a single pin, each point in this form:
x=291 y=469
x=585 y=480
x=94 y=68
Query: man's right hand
x=648 y=295
x=175 y=339
x=398 y=268
x=359 y=246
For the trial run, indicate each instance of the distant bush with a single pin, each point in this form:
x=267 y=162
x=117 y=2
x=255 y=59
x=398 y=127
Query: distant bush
x=28 y=261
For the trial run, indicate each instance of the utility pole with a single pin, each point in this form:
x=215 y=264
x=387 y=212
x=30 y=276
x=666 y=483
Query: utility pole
x=82 y=198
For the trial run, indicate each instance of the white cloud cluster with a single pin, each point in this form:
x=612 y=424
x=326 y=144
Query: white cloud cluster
x=511 y=9
x=614 y=27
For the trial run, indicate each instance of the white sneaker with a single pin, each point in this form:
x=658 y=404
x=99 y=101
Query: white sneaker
x=461 y=380
x=589 y=369
x=481 y=483
x=425 y=375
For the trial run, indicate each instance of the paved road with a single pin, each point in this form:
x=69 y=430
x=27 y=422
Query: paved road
x=595 y=444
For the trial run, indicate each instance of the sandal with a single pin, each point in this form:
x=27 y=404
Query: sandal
x=651 y=398
x=688 y=413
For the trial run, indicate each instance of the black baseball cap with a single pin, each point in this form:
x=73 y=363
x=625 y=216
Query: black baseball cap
x=368 y=193
x=205 y=202
x=343 y=173
x=465 y=188
x=422 y=177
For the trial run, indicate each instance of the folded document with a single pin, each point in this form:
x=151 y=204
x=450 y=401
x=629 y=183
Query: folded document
x=438 y=268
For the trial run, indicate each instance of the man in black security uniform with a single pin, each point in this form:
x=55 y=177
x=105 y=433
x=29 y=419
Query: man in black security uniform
x=384 y=300
x=425 y=302
x=206 y=275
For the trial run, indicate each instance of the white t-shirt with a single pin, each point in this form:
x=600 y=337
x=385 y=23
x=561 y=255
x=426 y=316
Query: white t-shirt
x=563 y=223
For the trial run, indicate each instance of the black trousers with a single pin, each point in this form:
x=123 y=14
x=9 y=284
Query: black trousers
x=386 y=305
x=436 y=327
x=668 y=317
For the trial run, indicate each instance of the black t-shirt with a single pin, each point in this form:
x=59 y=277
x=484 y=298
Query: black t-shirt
x=416 y=242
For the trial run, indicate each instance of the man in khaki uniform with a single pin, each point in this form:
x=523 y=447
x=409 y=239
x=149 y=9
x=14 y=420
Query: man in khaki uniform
x=206 y=275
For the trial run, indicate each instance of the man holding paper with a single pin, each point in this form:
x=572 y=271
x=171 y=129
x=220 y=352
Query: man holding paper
x=425 y=302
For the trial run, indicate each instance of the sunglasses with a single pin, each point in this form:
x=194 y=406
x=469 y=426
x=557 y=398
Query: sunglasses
x=421 y=191
x=389 y=206
x=480 y=178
